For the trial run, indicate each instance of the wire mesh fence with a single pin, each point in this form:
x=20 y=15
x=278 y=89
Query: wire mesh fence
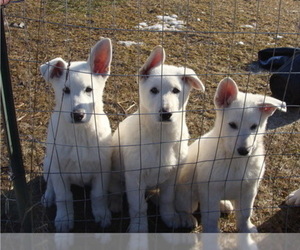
x=215 y=39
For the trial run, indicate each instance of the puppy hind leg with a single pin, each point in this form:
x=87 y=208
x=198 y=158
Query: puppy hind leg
x=226 y=207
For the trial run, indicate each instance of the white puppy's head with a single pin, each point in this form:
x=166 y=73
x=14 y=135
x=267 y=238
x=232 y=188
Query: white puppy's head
x=164 y=89
x=242 y=116
x=79 y=86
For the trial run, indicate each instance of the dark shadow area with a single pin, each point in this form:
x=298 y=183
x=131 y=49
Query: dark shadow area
x=43 y=218
x=286 y=220
x=280 y=119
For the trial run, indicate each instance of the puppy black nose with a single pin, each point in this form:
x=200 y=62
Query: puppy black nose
x=77 y=115
x=165 y=115
x=243 y=151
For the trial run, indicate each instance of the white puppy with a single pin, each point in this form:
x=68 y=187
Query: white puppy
x=228 y=162
x=293 y=199
x=150 y=143
x=79 y=135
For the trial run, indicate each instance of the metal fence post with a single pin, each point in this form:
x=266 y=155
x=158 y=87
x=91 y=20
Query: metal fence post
x=13 y=140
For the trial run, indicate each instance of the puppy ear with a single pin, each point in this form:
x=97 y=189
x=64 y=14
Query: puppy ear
x=191 y=78
x=270 y=104
x=100 y=57
x=156 y=58
x=53 y=69
x=226 y=93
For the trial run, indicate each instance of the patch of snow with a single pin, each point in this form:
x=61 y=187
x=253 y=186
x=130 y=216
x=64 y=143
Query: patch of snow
x=155 y=27
x=166 y=18
x=129 y=43
x=278 y=37
x=248 y=26
x=143 y=24
x=166 y=22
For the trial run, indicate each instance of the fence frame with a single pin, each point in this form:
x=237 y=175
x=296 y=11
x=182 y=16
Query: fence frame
x=12 y=136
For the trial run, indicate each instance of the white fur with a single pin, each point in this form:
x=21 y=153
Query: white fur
x=147 y=149
x=293 y=199
x=228 y=162
x=79 y=135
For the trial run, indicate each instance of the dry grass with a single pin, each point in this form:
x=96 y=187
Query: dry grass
x=209 y=44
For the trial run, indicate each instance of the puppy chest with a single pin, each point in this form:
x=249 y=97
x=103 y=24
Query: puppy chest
x=156 y=168
x=79 y=159
x=231 y=178
x=156 y=176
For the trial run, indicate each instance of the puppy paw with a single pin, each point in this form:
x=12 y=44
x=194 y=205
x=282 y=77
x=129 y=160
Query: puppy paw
x=253 y=229
x=63 y=224
x=249 y=228
x=103 y=217
x=138 y=228
x=172 y=220
x=48 y=199
x=293 y=199
x=226 y=207
x=188 y=221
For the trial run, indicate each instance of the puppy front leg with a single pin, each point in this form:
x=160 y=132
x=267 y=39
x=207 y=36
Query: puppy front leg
x=64 y=220
x=185 y=204
x=210 y=210
x=244 y=207
x=48 y=198
x=99 y=199
x=167 y=203
x=135 y=190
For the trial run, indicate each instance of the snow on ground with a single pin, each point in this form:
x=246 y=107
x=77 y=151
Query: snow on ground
x=129 y=43
x=165 y=22
x=248 y=26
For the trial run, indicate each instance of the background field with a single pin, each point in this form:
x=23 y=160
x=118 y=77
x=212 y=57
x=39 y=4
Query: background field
x=219 y=38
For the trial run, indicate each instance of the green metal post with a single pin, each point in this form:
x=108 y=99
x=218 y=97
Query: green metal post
x=13 y=140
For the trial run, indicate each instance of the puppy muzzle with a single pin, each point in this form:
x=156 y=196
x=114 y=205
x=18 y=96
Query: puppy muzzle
x=77 y=116
x=164 y=115
x=244 y=151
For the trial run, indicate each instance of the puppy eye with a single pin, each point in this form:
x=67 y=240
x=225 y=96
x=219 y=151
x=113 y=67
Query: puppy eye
x=233 y=125
x=175 y=91
x=253 y=127
x=88 y=89
x=66 y=90
x=154 y=91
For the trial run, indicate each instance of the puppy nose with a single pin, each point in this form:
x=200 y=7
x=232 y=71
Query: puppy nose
x=243 y=151
x=77 y=115
x=165 y=115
